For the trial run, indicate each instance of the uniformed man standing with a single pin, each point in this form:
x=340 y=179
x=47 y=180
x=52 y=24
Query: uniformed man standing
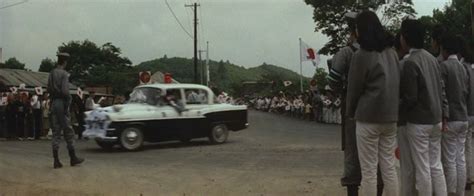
x=338 y=81
x=58 y=88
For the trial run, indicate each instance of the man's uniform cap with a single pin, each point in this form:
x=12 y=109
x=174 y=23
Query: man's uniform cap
x=351 y=15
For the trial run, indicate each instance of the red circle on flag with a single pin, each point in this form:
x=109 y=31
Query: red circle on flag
x=145 y=77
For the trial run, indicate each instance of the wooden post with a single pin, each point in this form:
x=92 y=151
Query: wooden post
x=472 y=17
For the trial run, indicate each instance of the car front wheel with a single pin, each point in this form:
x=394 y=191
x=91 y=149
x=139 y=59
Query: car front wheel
x=219 y=134
x=131 y=138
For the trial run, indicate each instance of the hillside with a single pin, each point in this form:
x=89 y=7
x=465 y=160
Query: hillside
x=224 y=75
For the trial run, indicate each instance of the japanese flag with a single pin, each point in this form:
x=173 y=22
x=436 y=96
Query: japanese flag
x=22 y=87
x=144 y=77
x=39 y=90
x=287 y=83
x=80 y=93
x=14 y=90
x=309 y=54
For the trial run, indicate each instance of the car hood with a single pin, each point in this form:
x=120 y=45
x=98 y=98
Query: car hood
x=122 y=109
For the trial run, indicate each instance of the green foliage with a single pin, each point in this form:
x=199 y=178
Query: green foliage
x=92 y=65
x=13 y=63
x=225 y=75
x=321 y=77
x=428 y=23
x=330 y=21
x=456 y=18
x=46 y=65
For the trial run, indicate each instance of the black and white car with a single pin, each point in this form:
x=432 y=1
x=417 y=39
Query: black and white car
x=165 y=112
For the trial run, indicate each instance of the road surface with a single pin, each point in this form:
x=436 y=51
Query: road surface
x=276 y=155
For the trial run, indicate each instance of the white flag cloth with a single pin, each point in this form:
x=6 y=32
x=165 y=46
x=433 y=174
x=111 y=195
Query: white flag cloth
x=39 y=90
x=144 y=77
x=14 y=90
x=22 y=87
x=309 y=54
x=287 y=83
x=80 y=93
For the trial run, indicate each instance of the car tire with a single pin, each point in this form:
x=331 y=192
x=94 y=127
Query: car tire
x=105 y=145
x=218 y=134
x=131 y=138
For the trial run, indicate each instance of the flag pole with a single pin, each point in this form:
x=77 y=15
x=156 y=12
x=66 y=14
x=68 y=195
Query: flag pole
x=301 y=70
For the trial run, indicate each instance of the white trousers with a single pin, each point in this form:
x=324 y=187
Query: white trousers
x=468 y=151
x=425 y=145
x=407 y=168
x=454 y=162
x=376 y=145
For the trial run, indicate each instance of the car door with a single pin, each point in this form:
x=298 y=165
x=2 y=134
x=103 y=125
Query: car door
x=196 y=101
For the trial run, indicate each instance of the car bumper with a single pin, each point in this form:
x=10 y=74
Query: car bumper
x=107 y=139
x=109 y=136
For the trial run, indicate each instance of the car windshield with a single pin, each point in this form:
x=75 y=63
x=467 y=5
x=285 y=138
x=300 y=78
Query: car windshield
x=151 y=96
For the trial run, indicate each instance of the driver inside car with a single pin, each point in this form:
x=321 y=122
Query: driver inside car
x=174 y=102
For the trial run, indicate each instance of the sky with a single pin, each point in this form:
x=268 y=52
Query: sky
x=245 y=32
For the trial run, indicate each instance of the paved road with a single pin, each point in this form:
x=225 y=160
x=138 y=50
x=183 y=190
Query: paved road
x=276 y=155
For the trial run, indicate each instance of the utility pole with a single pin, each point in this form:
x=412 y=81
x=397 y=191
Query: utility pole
x=208 y=78
x=472 y=17
x=194 y=6
x=204 y=70
x=201 y=68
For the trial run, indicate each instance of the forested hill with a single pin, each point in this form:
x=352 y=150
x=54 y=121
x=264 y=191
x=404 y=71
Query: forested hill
x=224 y=75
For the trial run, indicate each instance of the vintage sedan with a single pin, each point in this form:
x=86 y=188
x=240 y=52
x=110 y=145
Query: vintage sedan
x=165 y=112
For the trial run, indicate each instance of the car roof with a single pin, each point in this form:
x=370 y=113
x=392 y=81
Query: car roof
x=174 y=86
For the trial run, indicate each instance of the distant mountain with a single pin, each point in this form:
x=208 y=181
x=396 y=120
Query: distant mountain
x=224 y=75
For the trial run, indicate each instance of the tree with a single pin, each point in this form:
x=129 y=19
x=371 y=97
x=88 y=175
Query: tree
x=329 y=18
x=456 y=17
x=222 y=73
x=13 y=63
x=46 y=65
x=321 y=78
x=92 y=65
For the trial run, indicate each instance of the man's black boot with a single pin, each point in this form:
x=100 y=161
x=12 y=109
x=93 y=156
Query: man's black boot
x=56 y=163
x=352 y=190
x=74 y=159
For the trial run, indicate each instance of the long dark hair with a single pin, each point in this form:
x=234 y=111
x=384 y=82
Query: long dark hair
x=371 y=34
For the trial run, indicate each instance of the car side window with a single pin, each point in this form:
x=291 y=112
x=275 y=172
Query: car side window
x=174 y=95
x=196 y=96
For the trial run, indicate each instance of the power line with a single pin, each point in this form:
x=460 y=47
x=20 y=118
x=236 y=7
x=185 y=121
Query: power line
x=11 y=5
x=177 y=20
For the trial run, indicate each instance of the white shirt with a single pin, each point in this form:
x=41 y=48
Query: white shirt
x=90 y=103
x=454 y=57
x=35 y=103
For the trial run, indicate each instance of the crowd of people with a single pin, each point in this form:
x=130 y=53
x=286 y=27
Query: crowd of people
x=22 y=116
x=311 y=105
x=25 y=116
x=398 y=93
